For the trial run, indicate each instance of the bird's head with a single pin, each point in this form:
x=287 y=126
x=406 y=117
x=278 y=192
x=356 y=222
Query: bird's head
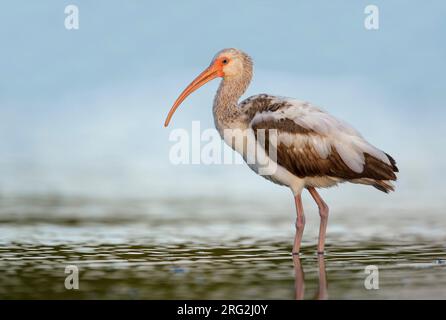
x=229 y=64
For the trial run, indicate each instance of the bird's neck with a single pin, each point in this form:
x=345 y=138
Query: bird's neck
x=226 y=111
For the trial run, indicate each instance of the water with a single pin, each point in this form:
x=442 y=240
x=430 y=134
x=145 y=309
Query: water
x=212 y=249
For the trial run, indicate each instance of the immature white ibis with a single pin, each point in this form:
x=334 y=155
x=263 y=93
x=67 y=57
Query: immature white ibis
x=311 y=148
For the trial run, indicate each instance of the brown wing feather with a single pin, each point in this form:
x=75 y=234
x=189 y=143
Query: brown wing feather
x=306 y=162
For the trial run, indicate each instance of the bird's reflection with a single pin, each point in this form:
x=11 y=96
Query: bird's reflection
x=322 y=292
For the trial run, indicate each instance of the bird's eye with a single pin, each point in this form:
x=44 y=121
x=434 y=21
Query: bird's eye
x=225 y=61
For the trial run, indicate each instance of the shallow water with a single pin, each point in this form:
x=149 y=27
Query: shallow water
x=133 y=249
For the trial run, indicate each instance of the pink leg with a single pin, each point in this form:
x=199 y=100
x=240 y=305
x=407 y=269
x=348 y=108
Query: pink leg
x=323 y=212
x=300 y=224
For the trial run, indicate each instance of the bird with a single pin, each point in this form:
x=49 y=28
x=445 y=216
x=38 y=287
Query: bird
x=304 y=147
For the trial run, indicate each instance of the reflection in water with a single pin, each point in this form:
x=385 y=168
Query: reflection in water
x=323 y=285
x=322 y=292
x=299 y=278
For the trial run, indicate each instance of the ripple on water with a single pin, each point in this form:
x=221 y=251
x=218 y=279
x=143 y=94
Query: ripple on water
x=231 y=271
x=125 y=250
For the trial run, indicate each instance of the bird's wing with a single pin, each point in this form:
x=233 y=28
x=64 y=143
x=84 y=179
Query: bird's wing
x=311 y=142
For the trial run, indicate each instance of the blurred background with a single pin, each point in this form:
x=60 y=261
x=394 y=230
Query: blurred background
x=83 y=150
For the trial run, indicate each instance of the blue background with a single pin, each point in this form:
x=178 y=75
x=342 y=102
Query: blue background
x=81 y=112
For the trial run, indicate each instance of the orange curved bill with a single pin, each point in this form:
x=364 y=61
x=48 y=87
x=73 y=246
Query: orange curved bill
x=207 y=75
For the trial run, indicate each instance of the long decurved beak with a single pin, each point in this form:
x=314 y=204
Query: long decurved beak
x=212 y=72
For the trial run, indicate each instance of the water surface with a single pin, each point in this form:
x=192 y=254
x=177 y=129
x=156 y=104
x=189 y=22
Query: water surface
x=133 y=249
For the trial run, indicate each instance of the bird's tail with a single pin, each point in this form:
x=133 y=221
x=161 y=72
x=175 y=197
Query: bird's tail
x=382 y=185
x=379 y=174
